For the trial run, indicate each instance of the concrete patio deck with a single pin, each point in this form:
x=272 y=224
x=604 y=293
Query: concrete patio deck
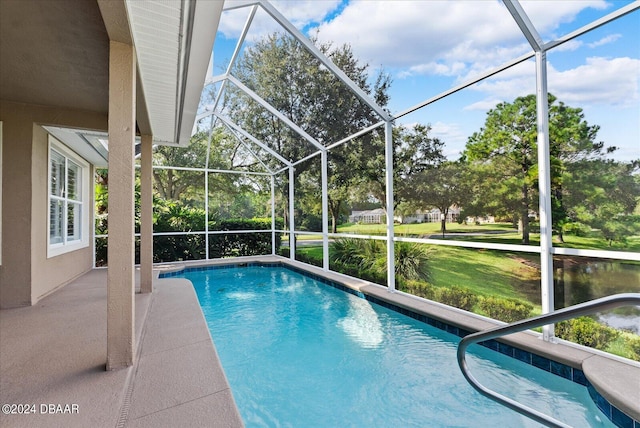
x=55 y=351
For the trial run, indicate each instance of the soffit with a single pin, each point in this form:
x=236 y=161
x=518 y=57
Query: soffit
x=54 y=53
x=173 y=43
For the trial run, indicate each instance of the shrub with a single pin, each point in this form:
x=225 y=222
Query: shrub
x=355 y=271
x=418 y=288
x=305 y=258
x=347 y=251
x=586 y=331
x=576 y=229
x=242 y=244
x=633 y=342
x=458 y=297
x=174 y=216
x=507 y=310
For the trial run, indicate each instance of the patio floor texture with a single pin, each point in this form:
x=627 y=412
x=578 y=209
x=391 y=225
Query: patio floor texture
x=54 y=353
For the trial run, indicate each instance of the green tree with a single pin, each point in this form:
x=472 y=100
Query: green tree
x=230 y=195
x=285 y=74
x=414 y=152
x=603 y=194
x=172 y=184
x=441 y=187
x=504 y=153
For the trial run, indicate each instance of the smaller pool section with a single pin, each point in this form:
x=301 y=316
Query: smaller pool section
x=300 y=353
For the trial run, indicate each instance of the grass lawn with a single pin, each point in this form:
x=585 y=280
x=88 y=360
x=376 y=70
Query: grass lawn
x=491 y=273
x=420 y=229
x=485 y=272
x=508 y=235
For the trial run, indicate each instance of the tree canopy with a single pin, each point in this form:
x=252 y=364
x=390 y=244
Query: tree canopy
x=286 y=75
x=503 y=155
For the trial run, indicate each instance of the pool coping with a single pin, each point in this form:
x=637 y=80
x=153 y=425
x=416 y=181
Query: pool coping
x=597 y=371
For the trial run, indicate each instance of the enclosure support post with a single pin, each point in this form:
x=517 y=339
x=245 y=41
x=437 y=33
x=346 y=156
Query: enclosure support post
x=206 y=213
x=146 y=215
x=325 y=209
x=120 y=277
x=292 y=236
x=544 y=183
x=273 y=215
x=388 y=157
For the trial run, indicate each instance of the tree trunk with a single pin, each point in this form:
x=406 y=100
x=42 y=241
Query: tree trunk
x=524 y=214
x=334 y=210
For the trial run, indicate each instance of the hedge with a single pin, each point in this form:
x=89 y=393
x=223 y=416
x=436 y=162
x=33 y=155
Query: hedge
x=170 y=248
x=242 y=244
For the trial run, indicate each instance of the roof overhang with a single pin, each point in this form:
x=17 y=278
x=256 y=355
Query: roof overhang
x=55 y=54
x=173 y=42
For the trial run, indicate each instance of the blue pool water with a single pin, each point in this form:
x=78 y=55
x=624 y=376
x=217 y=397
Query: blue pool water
x=299 y=353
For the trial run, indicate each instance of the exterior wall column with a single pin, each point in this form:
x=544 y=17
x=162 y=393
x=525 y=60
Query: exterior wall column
x=17 y=196
x=120 y=277
x=146 y=215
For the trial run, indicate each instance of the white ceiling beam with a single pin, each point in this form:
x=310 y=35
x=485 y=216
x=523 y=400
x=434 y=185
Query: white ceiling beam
x=624 y=10
x=268 y=149
x=237 y=4
x=257 y=98
x=246 y=146
x=199 y=45
x=525 y=24
x=242 y=37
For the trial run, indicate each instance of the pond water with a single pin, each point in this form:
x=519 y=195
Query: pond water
x=578 y=280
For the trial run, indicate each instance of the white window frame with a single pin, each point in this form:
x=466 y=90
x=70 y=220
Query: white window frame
x=56 y=249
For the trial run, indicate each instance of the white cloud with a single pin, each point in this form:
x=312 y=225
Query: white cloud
x=484 y=105
x=300 y=13
x=610 y=82
x=548 y=15
x=571 y=45
x=450 y=69
x=605 y=40
x=409 y=33
x=451 y=133
x=600 y=81
x=435 y=37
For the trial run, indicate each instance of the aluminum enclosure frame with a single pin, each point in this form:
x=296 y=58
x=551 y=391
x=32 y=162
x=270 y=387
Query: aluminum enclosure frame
x=539 y=49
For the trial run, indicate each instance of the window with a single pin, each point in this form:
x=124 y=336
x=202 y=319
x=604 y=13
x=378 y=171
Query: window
x=68 y=200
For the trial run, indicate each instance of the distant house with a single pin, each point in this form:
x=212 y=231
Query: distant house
x=432 y=216
x=377 y=216
x=481 y=219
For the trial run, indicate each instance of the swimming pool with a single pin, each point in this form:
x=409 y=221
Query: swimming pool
x=297 y=352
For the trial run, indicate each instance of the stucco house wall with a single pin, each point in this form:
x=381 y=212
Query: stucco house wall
x=26 y=274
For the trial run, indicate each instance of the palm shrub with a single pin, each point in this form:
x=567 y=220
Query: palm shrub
x=347 y=251
x=411 y=261
x=368 y=258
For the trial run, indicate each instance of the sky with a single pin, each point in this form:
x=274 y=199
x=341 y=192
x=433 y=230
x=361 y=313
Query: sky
x=428 y=47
